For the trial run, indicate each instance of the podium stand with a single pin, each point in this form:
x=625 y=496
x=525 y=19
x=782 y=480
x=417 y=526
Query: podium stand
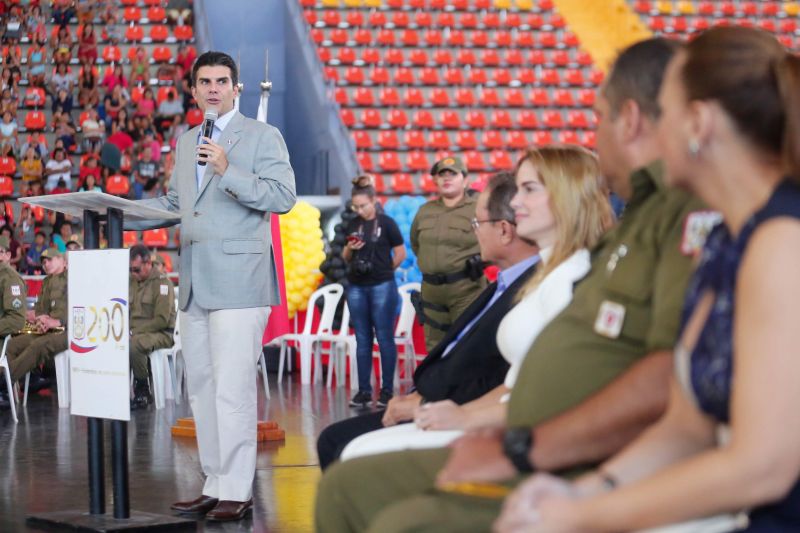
x=94 y=206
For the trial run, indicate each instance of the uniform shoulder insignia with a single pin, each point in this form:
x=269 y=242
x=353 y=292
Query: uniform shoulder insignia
x=696 y=227
x=164 y=289
x=15 y=290
x=16 y=303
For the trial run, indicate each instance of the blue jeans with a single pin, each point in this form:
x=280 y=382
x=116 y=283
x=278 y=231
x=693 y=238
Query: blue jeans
x=372 y=307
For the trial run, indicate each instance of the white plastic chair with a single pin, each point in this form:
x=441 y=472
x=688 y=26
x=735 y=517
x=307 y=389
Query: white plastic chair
x=61 y=361
x=343 y=347
x=12 y=395
x=331 y=295
x=161 y=362
x=404 y=332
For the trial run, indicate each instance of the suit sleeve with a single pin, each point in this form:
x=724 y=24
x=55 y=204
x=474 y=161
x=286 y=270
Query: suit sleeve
x=271 y=187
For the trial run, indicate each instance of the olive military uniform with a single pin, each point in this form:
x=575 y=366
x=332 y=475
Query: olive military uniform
x=443 y=240
x=152 y=319
x=26 y=352
x=628 y=306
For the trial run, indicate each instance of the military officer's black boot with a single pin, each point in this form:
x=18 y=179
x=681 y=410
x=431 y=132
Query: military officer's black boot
x=141 y=394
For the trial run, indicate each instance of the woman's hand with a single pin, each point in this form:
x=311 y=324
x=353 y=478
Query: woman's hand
x=440 y=415
x=541 y=503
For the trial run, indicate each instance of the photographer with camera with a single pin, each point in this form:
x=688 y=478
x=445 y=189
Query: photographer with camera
x=374 y=249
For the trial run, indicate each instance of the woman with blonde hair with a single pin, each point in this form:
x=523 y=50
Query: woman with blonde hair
x=562 y=204
x=729 y=441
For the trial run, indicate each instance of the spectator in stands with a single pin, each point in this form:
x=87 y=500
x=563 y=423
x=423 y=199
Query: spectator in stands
x=179 y=12
x=38 y=143
x=12 y=59
x=176 y=129
x=185 y=57
x=62 y=233
x=26 y=229
x=37 y=61
x=113 y=102
x=5 y=216
x=36 y=188
x=63 y=11
x=85 y=11
x=119 y=138
x=168 y=109
x=150 y=143
x=93 y=131
x=9 y=103
x=13 y=30
x=9 y=134
x=90 y=166
x=62 y=45
x=110 y=17
x=140 y=68
x=729 y=440
x=88 y=92
x=62 y=104
x=373 y=251
x=15 y=248
x=87 y=45
x=31 y=169
x=7 y=81
x=58 y=168
x=65 y=132
x=62 y=79
x=36 y=25
x=90 y=184
x=61 y=188
x=113 y=79
x=34 y=254
x=145 y=175
x=146 y=106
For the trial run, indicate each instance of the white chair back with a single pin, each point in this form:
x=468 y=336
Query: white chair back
x=405 y=324
x=331 y=295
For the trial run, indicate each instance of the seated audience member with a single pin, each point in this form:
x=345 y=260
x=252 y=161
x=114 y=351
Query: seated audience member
x=466 y=363
x=168 y=110
x=62 y=232
x=26 y=229
x=145 y=175
x=37 y=62
x=31 y=168
x=730 y=130
x=562 y=205
x=595 y=377
x=61 y=188
x=57 y=169
x=88 y=92
x=26 y=353
x=93 y=130
x=9 y=132
x=35 y=252
x=87 y=45
x=65 y=132
x=14 y=247
x=152 y=319
x=140 y=68
x=90 y=183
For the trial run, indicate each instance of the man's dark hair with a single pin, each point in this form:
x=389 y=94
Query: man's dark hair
x=211 y=59
x=501 y=188
x=637 y=74
x=141 y=251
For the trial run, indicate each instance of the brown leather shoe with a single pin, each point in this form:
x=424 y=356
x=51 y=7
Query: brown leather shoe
x=198 y=506
x=227 y=510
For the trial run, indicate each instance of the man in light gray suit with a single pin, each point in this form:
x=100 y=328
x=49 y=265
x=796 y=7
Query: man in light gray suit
x=227 y=278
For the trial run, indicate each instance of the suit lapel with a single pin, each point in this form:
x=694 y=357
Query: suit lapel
x=228 y=139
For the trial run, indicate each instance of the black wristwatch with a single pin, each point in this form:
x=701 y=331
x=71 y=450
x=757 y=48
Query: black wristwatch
x=517 y=444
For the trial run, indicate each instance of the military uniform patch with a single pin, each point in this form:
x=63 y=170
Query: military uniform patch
x=696 y=228
x=164 y=289
x=609 y=320
x=15 y=290
x=16 y=303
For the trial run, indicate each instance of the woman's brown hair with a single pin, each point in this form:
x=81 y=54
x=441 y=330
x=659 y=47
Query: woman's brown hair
x=757 y=83
x=363 y=184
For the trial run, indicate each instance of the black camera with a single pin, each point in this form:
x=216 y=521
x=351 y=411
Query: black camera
x=361 y=267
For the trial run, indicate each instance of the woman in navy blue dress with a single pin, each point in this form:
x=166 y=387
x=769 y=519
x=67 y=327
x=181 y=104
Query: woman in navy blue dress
x=726 y=455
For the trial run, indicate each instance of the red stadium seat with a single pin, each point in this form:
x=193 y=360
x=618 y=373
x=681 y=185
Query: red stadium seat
x=183 y=33
x=553 y=119
x=423 y=120
x=162 y=54
x=370 y=56
x=563 y=98
x=513 y=57
x=464 y=97
x=388 y=140
x=354 y=17
x=492 y=139
x=500 y=160
x=194 y=117
x=414 y=139
x=453 y=77
x=130 y=238
x=345 y=55
x=397 y=118
x=501 y=119
x=427 y=184
x=588 y=139
x=112 y=54
x=433 y=38
x=8 y=166
x=568 y=137
x=410 y=37
x=163 y=93
x=456 y=39
x=443 y=57
x=514 y=98
x=159 y=33
x=390 y=162
x=362 y=36
x=354 y=76
x=439 y=97
x=516 y=139
x=362 y=139
x=476 y=119
x=439 y=140
x=34 y=97
x=385 y=37
x=6 y=186
x=501 y=76
x=389 y=96
x=155 y=238
x=370 y=118
x=347 y=116
x=363 y=97
x=474 y=161
x=429 y=76
x=450 y=120
x=404 y=76
x=477 y=76
x=527 y=119
x=577 y=119
x=377 y=19
x=489 y=98
x=466 y=57
x=35 y=121
x=402 y=183
x=413 y=97
x=466 y=140
x=134 y=33
x=417 y=160
x=542 y=138
x=365 y=161
x=132 y=14
x=394 y=56
x=118 y=185
x=423 y=19
x=418 y=57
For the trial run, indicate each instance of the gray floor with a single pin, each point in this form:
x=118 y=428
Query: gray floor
x=43 y=460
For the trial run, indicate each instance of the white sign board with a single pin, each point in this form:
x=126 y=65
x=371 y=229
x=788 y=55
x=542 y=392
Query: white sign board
x=98 y=333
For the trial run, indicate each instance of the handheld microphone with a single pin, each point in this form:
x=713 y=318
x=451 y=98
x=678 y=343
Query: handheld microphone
x=208 y=129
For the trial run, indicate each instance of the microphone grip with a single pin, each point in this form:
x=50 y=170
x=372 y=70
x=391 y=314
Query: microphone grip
x=208 y=129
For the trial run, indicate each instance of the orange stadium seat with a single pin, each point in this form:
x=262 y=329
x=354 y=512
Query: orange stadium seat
x=134 y=33
x=439 y=140
x=402 y=183
x=156 y=14
x=132 y=14
x=34 y=97
x=112 y=54
x=35 y=121
x=6 y=186
x=8 y=166
x=466 y=140
x=390 y=161
x=397 y=118
x=347 y=116
x=388 y=140
x=183 y=33
x=130 y=238
x=118 y=185
x=155 y=238
x=417 y=160
x=159 y=33
x=162 y=54
x=365 y=161
x=370 y=118
x=414 y=139
x=362 y=139
x=389 y=96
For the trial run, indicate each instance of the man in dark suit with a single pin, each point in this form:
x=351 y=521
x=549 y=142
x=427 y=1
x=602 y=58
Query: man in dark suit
x=466 y=364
